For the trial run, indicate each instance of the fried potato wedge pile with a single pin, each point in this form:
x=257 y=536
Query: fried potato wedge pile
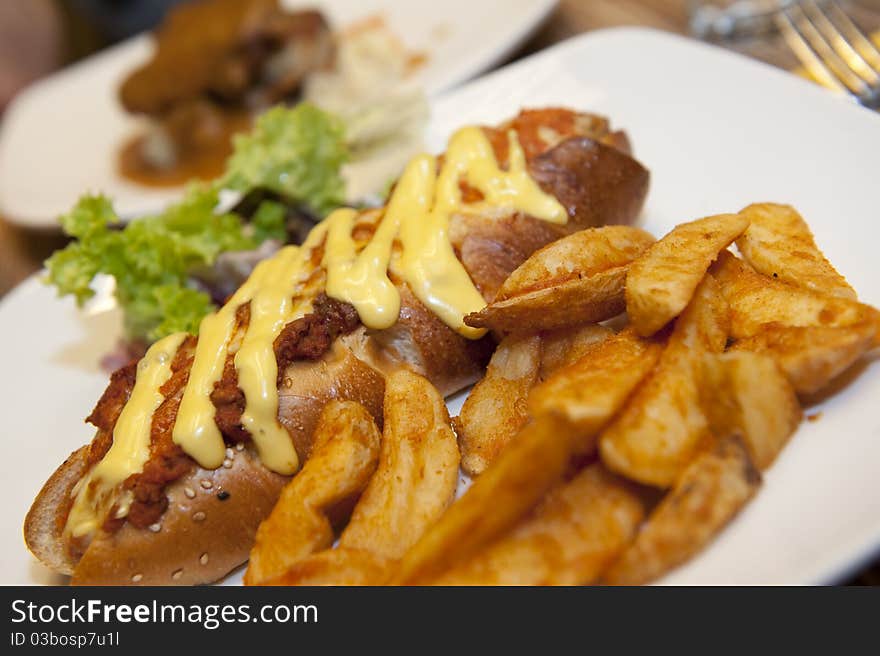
x=599 y=452
x=410 y=487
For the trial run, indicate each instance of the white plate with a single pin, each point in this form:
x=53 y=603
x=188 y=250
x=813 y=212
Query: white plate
x=717 y=132
x=60 y=136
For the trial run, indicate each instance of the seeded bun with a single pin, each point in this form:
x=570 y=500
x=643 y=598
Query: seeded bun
x=201 y=537
x=421 y=342
x=207 y=531
x=44 y=523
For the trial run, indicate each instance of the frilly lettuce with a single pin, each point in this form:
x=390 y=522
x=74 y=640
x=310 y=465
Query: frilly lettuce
x=296 y=153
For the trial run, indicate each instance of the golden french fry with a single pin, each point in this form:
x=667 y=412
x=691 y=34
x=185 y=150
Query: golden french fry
x=661 y=282
x=560 y=348
x=659 y=430
x=336 y=567
x=568 y=410
x=496 y=409
x=757 y=300
x=574 y=280
x=345 y=455
x=570 y=303
x=778 y=243
x=811 y=356
x=746 y=394
x=569 y=539
x=579 y=255
x=417 y=473
x=707 y=495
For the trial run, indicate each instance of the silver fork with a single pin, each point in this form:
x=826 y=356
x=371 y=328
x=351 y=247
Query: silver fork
x=832 y=48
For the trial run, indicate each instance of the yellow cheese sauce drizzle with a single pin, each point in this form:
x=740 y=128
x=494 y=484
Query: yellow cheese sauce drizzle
x=131 y=441
x=416 y=218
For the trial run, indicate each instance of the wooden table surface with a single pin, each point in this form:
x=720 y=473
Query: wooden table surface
x=23 y=251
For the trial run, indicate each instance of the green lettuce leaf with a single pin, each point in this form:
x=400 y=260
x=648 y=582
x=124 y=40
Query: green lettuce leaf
x=297 y=153
x=150 y=259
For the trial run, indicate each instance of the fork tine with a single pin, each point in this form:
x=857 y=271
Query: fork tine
x=856 y=37
x=811 y=61
x=808 y=32
x=839 y=43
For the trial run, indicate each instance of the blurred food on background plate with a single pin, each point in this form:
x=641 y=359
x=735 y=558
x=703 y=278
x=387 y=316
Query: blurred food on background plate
x=219 y=63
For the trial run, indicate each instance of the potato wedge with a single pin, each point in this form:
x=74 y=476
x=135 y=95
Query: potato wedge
x=746 y=394
x=569 y=409
x=414 y=483
x=570 y=303
x=574 y=280
x=662 y=281
x=812 y=356
x=779 y=244
x=530 y=465
x=496 y=408
x=569 y=539
x=560 y=348
x=659 y=430
x=345 y=455
x=590 y=391
x=417 y=473
x=757 y=300
x=336 y=567
x=707 y=495
x=579 y=255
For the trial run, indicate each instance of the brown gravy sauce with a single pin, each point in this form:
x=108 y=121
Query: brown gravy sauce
x=203 y=163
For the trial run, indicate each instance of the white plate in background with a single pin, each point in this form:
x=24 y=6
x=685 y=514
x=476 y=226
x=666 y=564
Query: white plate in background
x=717 y=132
x=60 y=136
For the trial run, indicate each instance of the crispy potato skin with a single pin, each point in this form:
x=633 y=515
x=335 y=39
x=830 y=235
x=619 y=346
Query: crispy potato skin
x=659 y=430
x=345 y=455
x=579 y=255
x=579 y=528
x=778 y=243
x=571 y=303
x=661 y=282
x=811 y=356
x=496 y=407
x=746 y=394
x=707 y=495
x=576 y=280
